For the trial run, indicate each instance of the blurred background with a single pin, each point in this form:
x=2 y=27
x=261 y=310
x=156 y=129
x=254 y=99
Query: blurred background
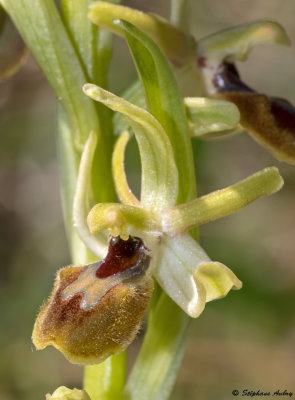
x=245 y=341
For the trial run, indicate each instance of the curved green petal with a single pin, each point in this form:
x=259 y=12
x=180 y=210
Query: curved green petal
x=159 y=186
x=122 y=188
x=179 y=219
x=210 y=115
x=83 y=201
x=189 y=277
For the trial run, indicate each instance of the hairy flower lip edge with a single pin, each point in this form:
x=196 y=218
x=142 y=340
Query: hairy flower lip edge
x=88 y=336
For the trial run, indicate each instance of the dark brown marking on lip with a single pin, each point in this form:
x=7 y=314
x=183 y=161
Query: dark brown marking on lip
x=284 y=113
x=227 y=79
x=122 y=255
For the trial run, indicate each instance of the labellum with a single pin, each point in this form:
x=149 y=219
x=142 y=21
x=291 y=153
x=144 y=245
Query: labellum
x=270 y=120
x=96 y=310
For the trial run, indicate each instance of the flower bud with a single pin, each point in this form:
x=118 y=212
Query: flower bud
x=95 y=311
x=63 y=393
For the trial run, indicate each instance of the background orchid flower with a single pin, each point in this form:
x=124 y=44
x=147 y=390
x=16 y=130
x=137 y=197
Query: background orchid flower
x=270 y=120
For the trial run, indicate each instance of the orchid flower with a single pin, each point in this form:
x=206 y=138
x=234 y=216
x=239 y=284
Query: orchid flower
x=270 y=120
x=96 y=310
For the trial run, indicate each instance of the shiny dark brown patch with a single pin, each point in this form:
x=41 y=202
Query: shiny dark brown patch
x=122 y=255
x=227 y=79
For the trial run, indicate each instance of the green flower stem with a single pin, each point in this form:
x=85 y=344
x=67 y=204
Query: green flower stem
x=44 y=33
x=157 y=364
x=156 y=367
x=106 y=380
x=178 y=220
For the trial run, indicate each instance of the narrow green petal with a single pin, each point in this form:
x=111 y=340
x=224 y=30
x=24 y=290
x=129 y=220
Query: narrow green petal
x=177 y=46
x=83 y=201
x=179 y=219
x=13 y=52
x=165 y=103
x=159 y=174
x=209 y=115
x=123 y=190
x=135 y=95
x=189 y=277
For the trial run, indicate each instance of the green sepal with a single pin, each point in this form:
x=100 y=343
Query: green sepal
x=159 y=174
x=164 y=102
